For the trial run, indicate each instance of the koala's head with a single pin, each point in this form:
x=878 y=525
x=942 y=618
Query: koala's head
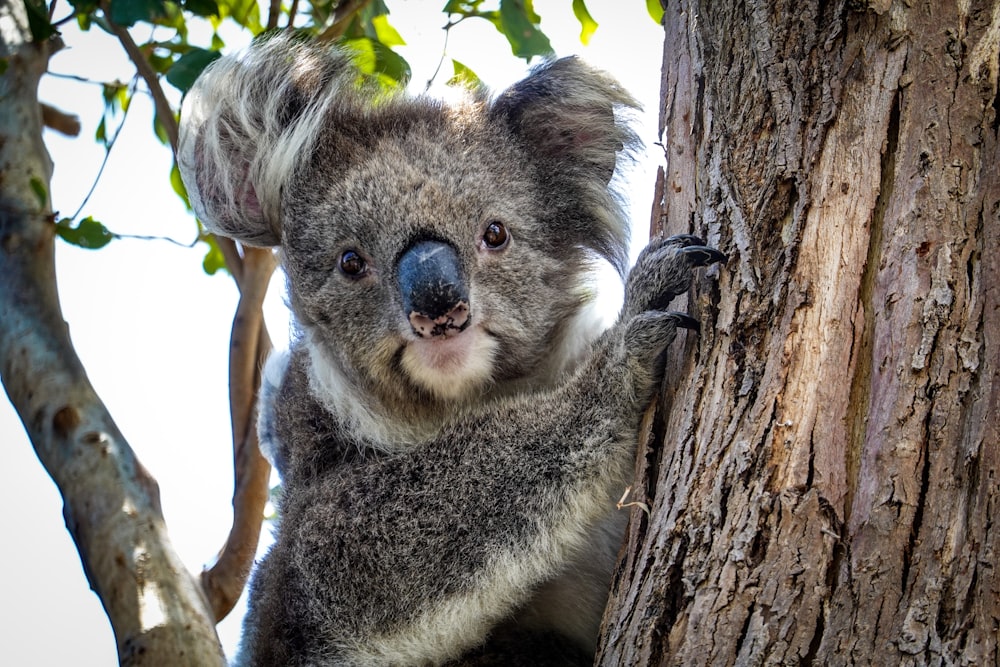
x=435 y=253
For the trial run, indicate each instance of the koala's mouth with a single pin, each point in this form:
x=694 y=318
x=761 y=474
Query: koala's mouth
x=448 y=325
x=451 y=365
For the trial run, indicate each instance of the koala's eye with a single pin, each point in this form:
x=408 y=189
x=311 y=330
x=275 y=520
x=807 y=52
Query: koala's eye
x=496 y=236
x=352 y=264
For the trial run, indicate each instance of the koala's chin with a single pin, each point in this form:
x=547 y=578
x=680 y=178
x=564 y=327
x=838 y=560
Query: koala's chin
x=451 y=367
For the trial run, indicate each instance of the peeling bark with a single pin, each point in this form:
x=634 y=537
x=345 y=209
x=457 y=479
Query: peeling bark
x=825 y=471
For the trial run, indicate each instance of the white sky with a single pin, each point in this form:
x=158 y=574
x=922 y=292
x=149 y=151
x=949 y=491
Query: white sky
x=152 y=329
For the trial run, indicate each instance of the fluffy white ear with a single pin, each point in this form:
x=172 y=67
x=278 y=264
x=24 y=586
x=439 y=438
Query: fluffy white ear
x=246 y=125
x=566 y=110
x=574 y=121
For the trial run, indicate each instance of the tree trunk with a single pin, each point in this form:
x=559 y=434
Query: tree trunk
x=112 y=504
x=824 y=473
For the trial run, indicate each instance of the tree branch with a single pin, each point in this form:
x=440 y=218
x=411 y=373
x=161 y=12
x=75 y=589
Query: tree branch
x=164 y=112
x=273 y=12
x=60 y=121
x=234 y=261
x=112 y=506
x=342 y=19
x=249 y=346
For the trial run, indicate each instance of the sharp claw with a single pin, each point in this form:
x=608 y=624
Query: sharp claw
x=684 y=240
x=685 y=321
x=701 y=255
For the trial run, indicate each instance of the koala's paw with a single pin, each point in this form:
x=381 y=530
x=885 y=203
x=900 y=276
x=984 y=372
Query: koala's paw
x=663 y=271
x=649 y=333
x=644 y=339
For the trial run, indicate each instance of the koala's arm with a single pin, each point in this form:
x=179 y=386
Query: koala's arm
x=412 y=558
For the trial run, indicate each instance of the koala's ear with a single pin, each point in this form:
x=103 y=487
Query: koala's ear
x=246 y=126
x=565 y=111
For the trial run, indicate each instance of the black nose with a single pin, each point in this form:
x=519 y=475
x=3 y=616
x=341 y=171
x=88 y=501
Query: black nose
x=432 y=286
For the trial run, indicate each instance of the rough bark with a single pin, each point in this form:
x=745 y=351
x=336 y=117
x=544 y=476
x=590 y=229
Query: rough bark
x=824 y=473
x=112 y=505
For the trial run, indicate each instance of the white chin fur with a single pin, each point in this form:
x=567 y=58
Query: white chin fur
x=453 y=367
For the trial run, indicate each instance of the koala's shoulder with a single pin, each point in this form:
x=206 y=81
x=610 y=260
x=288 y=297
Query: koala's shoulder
x=312 y=438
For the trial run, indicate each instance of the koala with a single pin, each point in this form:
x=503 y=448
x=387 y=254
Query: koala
x=454 y=419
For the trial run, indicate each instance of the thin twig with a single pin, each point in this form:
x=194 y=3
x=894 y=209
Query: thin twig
x=143 y=237
x=107 y=154
x=444 y=52
x=75 y=77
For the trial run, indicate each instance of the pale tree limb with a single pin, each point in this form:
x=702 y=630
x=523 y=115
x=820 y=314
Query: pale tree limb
x=112 y=506
x=248 y=347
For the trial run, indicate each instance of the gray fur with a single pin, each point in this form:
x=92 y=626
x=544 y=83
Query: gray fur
x=447 y=500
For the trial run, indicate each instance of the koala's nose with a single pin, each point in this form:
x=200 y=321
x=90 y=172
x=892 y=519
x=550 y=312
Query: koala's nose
x=433 y=290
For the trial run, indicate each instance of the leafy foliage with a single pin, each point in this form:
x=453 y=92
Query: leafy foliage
x=185 y=70
x=364 y=27
x=515 y=19
x=88 y=233
x=129 y=12
x=464 y=76
x=588 y=26
x=655 y=10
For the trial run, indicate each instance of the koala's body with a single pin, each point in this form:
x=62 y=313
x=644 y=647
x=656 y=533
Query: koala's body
x=454 y=421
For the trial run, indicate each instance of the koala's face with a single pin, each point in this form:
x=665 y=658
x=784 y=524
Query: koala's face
x=430 y=261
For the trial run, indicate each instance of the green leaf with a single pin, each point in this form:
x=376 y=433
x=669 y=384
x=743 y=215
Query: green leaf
x=38 y=21
x=363 y=54
x=519 y=23
x=187 y=68
x=655 y=10
x=214 y=259
x=391 y=64
x=385 y=33
x=375 y=59
x=204 y=8
x=88 y=234
x=464 y=76
x=463 y=7
x=159 y=130
x=587 y=23
x=245 y=12
x=83 y=6
x=41 y=192
x=178 y=185
x=160 y=64
x=129 y=12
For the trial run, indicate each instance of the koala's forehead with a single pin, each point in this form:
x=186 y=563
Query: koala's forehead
x=423 y=176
